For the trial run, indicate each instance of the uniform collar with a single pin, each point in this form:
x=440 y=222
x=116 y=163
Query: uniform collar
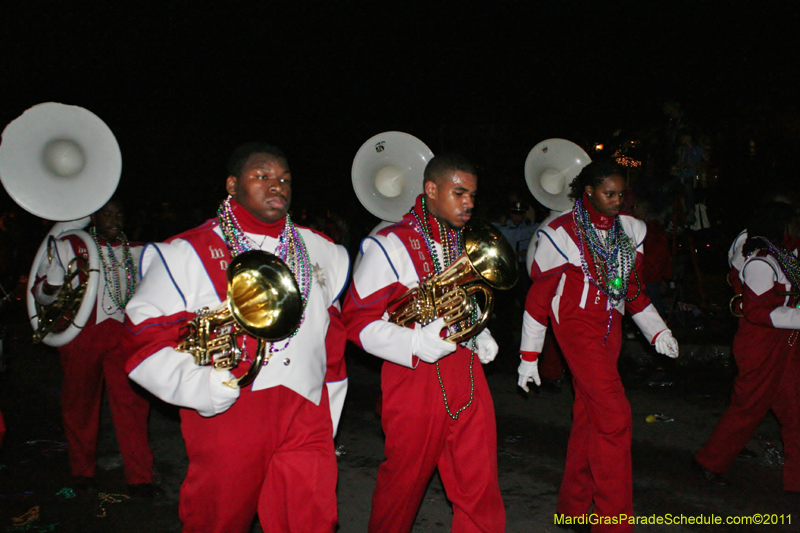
x=251 y=224
x=431 y=221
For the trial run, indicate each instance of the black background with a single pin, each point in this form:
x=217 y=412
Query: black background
x=181 y=83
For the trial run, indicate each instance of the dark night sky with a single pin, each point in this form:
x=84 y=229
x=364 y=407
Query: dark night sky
x=182 y=83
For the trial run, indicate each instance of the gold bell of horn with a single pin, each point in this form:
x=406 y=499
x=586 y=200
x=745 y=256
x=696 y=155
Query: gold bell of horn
x=489 y=262
x=263 y=300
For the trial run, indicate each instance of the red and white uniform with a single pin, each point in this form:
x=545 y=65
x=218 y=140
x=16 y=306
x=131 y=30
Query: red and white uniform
x=736 y=261
x=767 y=354
x=94 y=357
x=420 y=435
x=266 y=448
x=598 y=465
x=551 y=365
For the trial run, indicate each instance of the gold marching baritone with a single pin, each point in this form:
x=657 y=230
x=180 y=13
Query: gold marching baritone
x=387 y=174
x=263 y=300
x=488 y=263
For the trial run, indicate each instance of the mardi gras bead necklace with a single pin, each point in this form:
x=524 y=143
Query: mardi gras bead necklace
x=788 y=262
x=790 y=267
x=112 y=267
x=291 y=250
x=452 y=248
x=613 y=258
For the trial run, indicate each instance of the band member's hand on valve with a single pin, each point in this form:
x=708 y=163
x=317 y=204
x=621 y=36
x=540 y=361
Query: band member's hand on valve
x=486 y=346
x=528 y=371
x=219 y=392
x=666 y=344
x=428 y=345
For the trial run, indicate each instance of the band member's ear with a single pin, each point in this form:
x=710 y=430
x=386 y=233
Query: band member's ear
x=230 y=185
x=431 y=189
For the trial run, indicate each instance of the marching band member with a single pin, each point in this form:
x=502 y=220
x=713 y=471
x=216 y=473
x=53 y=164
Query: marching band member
x=584 y=277
x=765 y=348
x=437 y=409
x=267 y=448
x=96 y=356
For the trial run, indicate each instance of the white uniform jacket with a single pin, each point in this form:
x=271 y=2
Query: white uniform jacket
x=385 y=268
x=558 y=257
x=766 y=285
x=177 y=280
x=105 y=308
x=385 y=272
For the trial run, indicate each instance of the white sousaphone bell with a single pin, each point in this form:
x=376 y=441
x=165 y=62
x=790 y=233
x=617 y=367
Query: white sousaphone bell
x=61 y=163
x=550 y=167
x=388 y=172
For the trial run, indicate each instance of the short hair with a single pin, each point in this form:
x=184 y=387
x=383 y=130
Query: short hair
x=115 y=199
x=443 y=165
x=243 y=152
x=593 y=175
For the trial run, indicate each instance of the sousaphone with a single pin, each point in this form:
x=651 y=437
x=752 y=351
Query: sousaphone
x=550 y=167
x=388 y=172
x=61 y=163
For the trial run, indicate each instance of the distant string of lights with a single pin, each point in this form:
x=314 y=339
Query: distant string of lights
x=627 y=161
x=619 y=157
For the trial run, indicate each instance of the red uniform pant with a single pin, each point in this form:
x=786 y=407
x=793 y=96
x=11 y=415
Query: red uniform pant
x=598 y=464
x=421 y=437
x=769 y=378
x=550 y=365
x=89 y=360
x=271 y=453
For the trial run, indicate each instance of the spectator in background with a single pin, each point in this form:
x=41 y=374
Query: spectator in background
x=690 y=156
x=656 y=268
x=518 y=228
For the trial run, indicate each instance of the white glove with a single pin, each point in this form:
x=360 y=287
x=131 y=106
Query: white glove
x=487 y=347
x=666 y=344
x=55 y=274
x=428 y=345
x=222 y=396
x=175 y=378
x=528 y=371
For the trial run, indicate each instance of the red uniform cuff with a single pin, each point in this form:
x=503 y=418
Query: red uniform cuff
x=529 y=356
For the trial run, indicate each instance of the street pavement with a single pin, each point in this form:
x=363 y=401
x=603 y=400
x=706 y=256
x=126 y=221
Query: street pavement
x=690 y=394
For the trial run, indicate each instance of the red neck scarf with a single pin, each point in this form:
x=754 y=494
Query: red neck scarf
x=431 y=221
x=251 y=224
